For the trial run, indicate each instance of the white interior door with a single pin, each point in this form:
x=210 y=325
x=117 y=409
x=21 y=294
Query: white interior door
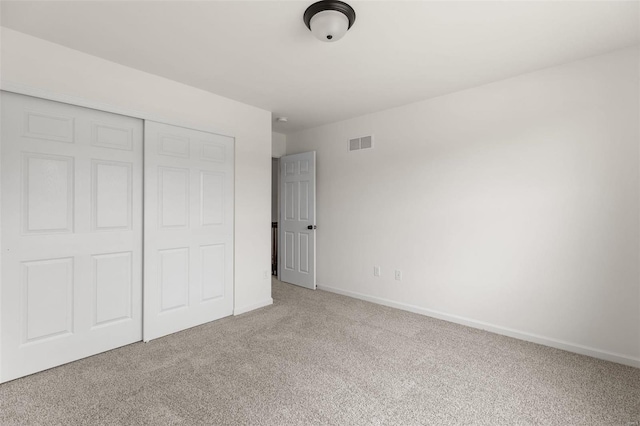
x=297 y=246
x=188 y=266
x=71 y=233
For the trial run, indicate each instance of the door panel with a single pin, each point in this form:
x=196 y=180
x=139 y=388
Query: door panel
x=112 y=287
x=71 y=233
x=188 y=228
x=298 y=213
x=47 y=193
x=111 y=203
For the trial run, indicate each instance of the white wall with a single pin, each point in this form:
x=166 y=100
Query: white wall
x=278 y=144
x=512 y=206
x=38 y=64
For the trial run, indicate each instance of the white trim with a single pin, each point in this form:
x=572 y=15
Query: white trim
x=522 y=335
x=37 y=92
x=248 y=308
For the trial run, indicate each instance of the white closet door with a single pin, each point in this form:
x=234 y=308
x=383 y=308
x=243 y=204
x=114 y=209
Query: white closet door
x=188 y=266
x=71 y=233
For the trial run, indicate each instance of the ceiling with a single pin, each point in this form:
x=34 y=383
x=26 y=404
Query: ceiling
x=397 y=52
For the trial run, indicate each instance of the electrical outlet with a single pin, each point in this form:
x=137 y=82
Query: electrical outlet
x=376 y=271
x=266 y=274
x=398 y=275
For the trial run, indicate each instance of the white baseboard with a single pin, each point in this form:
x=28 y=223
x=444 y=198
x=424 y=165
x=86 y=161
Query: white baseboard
x=522 y=335
x=248 y=308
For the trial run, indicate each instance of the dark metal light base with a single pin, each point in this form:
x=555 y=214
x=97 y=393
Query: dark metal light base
x=323 y=5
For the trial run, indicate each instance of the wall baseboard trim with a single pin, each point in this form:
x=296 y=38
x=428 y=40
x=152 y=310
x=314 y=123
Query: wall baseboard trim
x=522 y=335
x=248 y=308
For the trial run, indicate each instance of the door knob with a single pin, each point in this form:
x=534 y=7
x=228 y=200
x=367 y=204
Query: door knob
x=312 y=227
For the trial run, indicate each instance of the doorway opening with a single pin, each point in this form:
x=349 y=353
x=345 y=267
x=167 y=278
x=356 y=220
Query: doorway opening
x=275 y=210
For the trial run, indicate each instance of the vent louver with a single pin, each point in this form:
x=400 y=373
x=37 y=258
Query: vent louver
x=364 y=142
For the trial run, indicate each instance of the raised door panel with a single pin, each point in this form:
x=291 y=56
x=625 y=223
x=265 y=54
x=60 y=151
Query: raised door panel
x=213 y=271
x=112 y=195
x=174 y=146
x=47 y=299
x=304 y=167
x=289 y=250
x=174 y=278
x=110 y=136
x=290 y=200
x=47 y=193
x=303 y=200
x=173 y=190
x=303 y=252
x=42 y=125
x=289 y=168
x=112 y=286
x=212 y=198
x=214 y=151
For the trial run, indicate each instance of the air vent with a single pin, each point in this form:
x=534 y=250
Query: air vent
x=365 y=142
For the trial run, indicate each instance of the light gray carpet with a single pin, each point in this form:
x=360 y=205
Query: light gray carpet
x=320 y=358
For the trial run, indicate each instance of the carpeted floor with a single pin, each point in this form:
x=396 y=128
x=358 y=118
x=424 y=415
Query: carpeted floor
x=321 y=358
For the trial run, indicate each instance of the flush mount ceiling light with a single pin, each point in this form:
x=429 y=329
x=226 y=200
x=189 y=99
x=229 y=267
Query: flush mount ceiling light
x=329 y=20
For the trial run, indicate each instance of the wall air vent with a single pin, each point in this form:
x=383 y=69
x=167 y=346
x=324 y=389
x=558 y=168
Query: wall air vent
x=364 y=142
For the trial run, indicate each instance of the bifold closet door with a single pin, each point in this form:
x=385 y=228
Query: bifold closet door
x=71 y=233
x=188 y=225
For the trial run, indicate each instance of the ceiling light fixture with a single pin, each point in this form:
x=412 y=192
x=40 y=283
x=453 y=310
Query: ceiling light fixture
x=282 y=119
x=329 y=20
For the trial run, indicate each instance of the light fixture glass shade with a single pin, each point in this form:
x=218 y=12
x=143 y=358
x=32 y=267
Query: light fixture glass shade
x=329 y=25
